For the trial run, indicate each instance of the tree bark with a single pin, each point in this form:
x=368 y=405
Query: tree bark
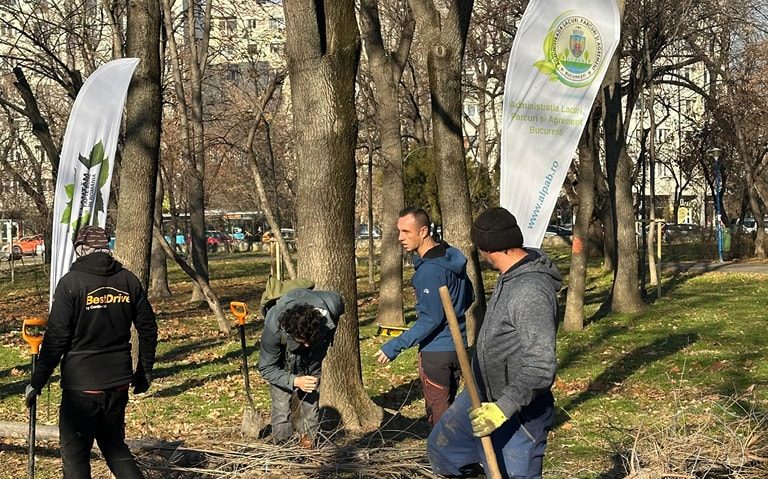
x=625 y=294
x=445 y=37
x=323 y=47
x=158 y=284
x=605 y=213
x=138 y=170
x=588 y=152
x=387 y=70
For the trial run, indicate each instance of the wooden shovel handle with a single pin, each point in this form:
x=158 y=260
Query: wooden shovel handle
x=469 y=379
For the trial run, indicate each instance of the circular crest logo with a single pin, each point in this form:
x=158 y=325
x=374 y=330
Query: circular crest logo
x=573 y=51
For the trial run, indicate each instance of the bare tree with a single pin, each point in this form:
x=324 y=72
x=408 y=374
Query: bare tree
x=323 y=48
x=196 y=28
x=444 y=35
x=387 y=70
x=51 y=48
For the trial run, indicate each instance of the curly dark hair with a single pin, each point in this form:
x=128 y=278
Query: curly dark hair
x=303 y=321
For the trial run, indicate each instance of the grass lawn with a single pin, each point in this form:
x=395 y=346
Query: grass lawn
x=702 y=343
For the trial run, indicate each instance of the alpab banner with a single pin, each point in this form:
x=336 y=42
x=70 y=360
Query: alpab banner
x=557 y=63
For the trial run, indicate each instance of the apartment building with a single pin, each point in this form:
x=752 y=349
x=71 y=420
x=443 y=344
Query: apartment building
x=681 y=194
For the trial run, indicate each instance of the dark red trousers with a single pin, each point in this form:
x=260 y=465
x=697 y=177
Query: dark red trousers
x=439 y=372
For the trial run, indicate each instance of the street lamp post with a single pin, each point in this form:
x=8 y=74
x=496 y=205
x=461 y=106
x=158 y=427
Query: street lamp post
x=715 y=153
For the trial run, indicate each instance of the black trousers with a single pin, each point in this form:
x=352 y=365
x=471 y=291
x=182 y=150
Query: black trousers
x=84 y=417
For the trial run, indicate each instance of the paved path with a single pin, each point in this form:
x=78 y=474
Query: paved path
x=724 y=267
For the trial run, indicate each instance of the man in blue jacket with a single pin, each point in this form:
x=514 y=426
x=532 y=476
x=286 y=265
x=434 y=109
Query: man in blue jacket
x=299 y=327
x=436 y=265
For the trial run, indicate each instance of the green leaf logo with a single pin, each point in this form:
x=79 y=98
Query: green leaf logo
x=96 y=158
x=545 y=67
x=566 y=58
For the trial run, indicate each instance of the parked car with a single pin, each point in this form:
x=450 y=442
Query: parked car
x=680 y=232
x=749 y=225
x=555 y=230
x=217 y=240
x=25 y=246
x=362 y=232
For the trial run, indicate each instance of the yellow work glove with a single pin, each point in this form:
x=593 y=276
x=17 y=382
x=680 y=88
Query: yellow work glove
x=486 y=419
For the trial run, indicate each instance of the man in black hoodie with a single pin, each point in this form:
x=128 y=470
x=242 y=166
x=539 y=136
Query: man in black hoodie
x=89 y=331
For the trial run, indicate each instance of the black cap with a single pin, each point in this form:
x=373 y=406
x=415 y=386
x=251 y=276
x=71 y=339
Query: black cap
x=496 y=229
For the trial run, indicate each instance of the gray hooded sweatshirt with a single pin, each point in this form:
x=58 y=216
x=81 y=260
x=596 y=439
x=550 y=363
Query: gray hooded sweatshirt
x=515 y=355
x=281 y=358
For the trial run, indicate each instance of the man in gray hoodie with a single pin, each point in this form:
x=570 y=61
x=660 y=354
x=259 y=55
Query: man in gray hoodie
x=514 y=362
x=299 y=327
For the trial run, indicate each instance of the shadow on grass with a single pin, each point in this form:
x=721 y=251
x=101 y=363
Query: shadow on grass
x=40 y=450
x=178 y=352
x=351 y=459
x=617 y=471
x=14 y=388
x=401 y=396
x=626 y=367
x=232 y=358
x=584 y=348
x=191 y=383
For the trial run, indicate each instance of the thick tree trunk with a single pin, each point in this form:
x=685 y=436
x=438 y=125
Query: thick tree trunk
x=625 y=296
x=141 y=155
x=323 y=46
x=445 y=37
x=158 y=284
x=386 y=70
x=138 y=170
x=588 y=152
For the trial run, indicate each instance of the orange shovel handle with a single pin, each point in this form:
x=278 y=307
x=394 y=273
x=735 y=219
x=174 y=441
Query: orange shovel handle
x=34 y=340
x=239 y=310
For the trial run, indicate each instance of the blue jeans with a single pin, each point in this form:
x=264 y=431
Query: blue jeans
x=283 y=416
x=519 y=443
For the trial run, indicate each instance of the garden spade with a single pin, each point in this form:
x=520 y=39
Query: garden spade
x=251 y=419
x=32 y=334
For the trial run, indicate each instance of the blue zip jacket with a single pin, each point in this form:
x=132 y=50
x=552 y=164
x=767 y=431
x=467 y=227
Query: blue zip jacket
x=442 y=265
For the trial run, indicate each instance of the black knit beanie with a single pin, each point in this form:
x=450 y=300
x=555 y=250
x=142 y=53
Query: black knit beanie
x=496 y=230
